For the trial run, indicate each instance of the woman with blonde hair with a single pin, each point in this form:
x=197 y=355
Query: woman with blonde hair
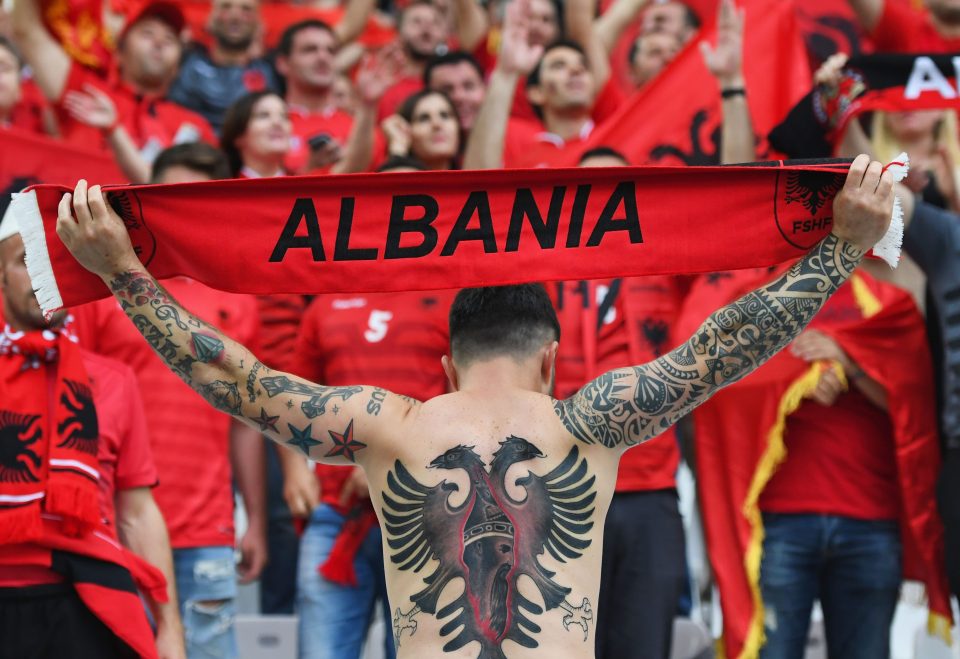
x=931 y=140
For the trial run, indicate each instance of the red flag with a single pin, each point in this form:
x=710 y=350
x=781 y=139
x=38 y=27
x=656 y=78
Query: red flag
x=277 y=17
x=740 y=442
x=78 y=26
x=27 y=159
x=675 y=120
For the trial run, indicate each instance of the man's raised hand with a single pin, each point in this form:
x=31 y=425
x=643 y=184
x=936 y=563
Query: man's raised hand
x=94 y=233
x=516 y=54
x=863 y=208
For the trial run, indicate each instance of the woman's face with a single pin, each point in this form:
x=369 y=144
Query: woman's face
x=434 y=130
x=268 y=131
x=919 y=123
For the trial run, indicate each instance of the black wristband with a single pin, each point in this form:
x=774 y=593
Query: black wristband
x=732 y=92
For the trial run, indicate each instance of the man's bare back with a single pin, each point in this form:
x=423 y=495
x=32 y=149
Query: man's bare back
x=492 y=499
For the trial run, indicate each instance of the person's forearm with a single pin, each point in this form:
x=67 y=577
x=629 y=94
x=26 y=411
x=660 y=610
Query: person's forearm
x=736 y=137
x=249 y=472
x=617 y=410
x=610 y=25
x=127 y=156
x=488 y=136
x=578 y=16
x=142 y=530
x=292 y=464
x=358 y=152
x=471 y=24
x=755 y=327
x=354 y=20
x=48 y=60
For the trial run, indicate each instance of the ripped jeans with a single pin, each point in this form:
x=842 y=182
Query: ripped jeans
x=207 y=574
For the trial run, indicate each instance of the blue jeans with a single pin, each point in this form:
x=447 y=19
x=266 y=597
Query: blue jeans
x=207 y=574
x=334 y=619
x=852 y=566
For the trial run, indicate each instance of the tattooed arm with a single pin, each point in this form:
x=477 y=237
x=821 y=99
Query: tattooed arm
x=627 y=406
x=328 y=424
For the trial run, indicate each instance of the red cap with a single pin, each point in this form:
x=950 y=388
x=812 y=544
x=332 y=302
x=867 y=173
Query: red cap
x=168 y=12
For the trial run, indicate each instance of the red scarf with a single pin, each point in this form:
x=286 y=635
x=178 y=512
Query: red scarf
x=889 y=83
x=740 y=441
x=416 y=231
x=48 y=435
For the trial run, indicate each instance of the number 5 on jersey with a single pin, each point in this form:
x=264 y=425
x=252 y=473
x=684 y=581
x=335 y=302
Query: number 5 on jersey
x=377 y=326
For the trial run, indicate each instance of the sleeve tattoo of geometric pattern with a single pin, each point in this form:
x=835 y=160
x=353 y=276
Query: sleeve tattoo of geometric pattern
x=488 y=542
x=630 y=405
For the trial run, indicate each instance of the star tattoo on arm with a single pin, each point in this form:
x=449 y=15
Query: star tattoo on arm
x=286 y=408
x=344 y=445
x=266 y=421
x=302 y=439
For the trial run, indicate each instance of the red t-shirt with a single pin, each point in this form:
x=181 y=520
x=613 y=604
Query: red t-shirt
x=190 y=439
x=840 y=459
x=525 y=148
x=126 y=461
x=279 y=321
x=904 y=29
x=153 y=123
x=637 y=314
x=305 y=125
x=27 y=114
x=394 y=341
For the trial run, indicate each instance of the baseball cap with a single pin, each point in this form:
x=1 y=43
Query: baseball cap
x=168 y=12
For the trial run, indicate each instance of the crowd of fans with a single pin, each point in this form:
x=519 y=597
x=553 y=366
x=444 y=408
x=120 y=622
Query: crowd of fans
x=195 y=92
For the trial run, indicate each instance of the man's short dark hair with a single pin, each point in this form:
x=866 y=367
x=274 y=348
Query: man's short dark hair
x=401 y=162
x=285 y=45
x=6 y=44
x=533 y=79
x=602 y=152
x=410 y=5
x=690 y=17
x=449 y=59
x=496 y=321
x=196 y=156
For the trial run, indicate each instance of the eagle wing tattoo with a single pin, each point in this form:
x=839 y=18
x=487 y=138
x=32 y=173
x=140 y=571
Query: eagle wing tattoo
x=489 y=541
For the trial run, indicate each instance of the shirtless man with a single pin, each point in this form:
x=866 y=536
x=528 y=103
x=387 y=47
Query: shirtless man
x=492 y=498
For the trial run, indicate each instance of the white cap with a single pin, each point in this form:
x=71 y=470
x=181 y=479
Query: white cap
x=9 y=226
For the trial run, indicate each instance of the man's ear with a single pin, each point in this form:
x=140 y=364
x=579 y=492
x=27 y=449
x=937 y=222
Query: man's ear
x=282 y=65
x=535 y=95
x=451 y=370
x=547 y=365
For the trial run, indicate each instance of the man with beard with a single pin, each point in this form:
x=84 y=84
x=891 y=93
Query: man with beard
x=78 y=480
x=210 y=81
x=422 y=34
x=901 y=28
x=125 y=111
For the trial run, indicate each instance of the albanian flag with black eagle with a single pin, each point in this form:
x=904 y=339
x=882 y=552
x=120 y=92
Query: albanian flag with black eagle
x=741 y=437
x=675 y=119
x=890 y=83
